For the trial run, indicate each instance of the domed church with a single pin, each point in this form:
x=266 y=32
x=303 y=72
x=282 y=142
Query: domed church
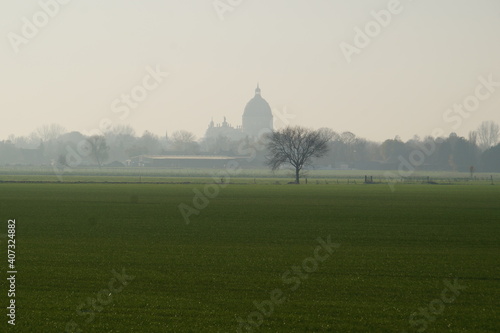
x=257 y=115
x=257 y=119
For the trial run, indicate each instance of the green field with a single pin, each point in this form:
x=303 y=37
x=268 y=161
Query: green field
x=242 y=176
x=396 y=251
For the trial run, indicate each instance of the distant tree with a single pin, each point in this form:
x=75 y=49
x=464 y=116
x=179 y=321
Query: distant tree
x=9 y=154
x=392 y=149
x=220 y=144
x=488 y=134
x=61 y=162
x=349 y=143
x=491 y=159
x=135 y=151
x=71 y=137
x=185 y=142
x=23 y=141
x=348 y=138
x=48 y=132
x=122 y=143
x=473 y=137
x=151 y=143
x=334 y=149
x=329 y=133
x=124 y=130
x=183 y=136
x=463 y=154
x=296 y=146
x=98 y=149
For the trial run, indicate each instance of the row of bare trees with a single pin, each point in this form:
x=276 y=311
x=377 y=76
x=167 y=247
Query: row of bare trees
x=487 y=135
x=51 y=143
x=298 y=147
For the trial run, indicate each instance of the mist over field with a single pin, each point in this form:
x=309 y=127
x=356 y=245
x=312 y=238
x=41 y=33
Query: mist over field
x=377 y=69
x=250 y=166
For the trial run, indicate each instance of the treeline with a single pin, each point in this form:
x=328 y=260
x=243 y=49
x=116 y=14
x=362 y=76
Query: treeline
x=53 y=145
x=452 y=153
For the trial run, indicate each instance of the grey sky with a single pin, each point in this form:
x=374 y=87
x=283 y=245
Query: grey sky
x=426 y=59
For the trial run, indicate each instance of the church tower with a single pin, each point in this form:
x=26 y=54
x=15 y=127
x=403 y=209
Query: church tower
x=257 y=117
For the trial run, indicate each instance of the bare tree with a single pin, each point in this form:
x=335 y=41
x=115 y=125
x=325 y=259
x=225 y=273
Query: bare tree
x=23 y=141
x=184 y=141
x=183 y=136
x=48 y=132
x=488 y=134
x=348 y=138
x=473 y=137
x=98 y=148
x=125 y=130
x=296 y=146
x=329 y=133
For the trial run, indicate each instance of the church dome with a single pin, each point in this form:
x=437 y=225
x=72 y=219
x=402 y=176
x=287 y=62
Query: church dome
x=257 y=106
x=257 y=117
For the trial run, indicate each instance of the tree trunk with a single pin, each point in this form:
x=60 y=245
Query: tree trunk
x=297 y=174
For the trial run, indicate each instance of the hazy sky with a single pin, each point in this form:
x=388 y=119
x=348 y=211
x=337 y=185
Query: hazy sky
x=421 y=61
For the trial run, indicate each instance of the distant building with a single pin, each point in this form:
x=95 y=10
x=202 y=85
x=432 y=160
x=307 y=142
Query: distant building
x=257 y=119
x=224 y=129
x=257 y=116
x=185 y=161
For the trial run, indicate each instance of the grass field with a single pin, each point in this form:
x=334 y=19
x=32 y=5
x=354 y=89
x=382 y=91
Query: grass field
x=397 y=250
x=144 y=175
